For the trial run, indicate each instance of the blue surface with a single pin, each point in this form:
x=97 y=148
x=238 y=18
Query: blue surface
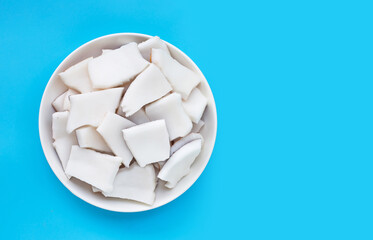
x=292 y=82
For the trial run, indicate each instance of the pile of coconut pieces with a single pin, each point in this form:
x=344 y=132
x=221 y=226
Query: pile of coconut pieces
x=131 y=117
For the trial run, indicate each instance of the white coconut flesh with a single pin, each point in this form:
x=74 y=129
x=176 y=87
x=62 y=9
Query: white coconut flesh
x=187 y=139
x=182 y=79
x=147 y=87
x=116 y=67
x=88 y=137
x=90 y=108
x=111 y=131
x=148 y=142
x=135 y=183
x=195 y=105
x=179 y=163
x=94 y=168
x=77 y=77
x=62 y=140
x=170 y=109
x=154 y=42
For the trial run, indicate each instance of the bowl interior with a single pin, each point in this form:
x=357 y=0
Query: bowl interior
x=82 y=190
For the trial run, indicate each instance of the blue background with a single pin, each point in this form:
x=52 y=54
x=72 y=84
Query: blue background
x=292 y=82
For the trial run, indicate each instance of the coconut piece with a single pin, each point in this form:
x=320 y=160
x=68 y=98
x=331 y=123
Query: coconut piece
x=197 y=127
x=111 y=131
x=135 y=183
x=154 y=42
x=66 y=101
x=147 y=87
x=90 y=108
x=77 y=78
x=88 y=137
x=58 y=103
x=148 y=142
x=171 y=110
x=92 y=167
x=179 y=163
x=182 y=79
x=195 y=105
x=185 y=140
x=63 y=140
x=116 y=67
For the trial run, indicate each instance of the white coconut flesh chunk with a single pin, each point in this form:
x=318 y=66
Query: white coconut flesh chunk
x=147 y=87
x=195 y=105
x=96 y=169
x=198 y=126
x=154 y=42
x=170 y=109
x=179 y=163
x=111 y=131
x=135 y=183
x=116 y=67
x=58 y=103
x=77 y=77
x=88 y=137
x=148 y=142
x=181 y=78
x=63 y=140
x=90 y=108
x=185 y=140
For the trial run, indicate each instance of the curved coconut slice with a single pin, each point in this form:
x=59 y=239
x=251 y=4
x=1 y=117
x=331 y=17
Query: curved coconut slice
x=195 y=105
x=135 y=183
x=66 y=101
x=154 y=42
x=187 y=139
x=147 y=87
x=148 y=142
x=182 y=79
x=90 y=108
x=179 y=163
x=58 y=103
x=197 y=127
x=116 y=67
x=63 y=140
x=111 y=130
x=88 y=137
x=171 y=110
x=76 y=77
x=92 y=167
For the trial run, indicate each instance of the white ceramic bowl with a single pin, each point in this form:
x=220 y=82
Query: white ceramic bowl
x=82 y=190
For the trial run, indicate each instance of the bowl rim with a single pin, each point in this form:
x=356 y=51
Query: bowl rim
x=44 y=143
